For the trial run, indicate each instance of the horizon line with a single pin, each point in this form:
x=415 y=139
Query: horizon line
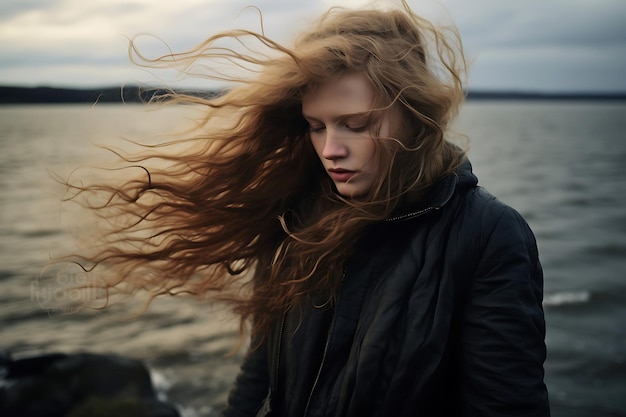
x=15 y=94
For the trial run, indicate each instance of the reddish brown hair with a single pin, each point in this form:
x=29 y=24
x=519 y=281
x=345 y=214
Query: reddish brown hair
x=246 y=214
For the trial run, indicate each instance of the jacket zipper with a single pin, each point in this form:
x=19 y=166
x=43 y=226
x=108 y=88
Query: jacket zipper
x=280 y=342
x=414 y=214
x=319 y=370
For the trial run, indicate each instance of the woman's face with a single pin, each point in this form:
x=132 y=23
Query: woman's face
x=337 y=113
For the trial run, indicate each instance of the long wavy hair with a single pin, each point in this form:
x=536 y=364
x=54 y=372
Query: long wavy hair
x=246 y=213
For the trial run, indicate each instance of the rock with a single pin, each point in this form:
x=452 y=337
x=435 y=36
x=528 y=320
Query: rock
x=78 y=385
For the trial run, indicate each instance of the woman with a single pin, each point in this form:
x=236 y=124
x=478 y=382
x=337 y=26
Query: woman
x=335 y=215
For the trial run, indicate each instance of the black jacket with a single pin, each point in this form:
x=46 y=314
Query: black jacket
x=439 y=314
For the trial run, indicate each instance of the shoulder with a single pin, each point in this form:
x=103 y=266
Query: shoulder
x=480 y=211
x=484 y=233
x=480 y=203
x=461 y=201
x=501 y=253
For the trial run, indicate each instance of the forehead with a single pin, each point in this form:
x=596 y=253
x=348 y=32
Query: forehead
x=351 y=93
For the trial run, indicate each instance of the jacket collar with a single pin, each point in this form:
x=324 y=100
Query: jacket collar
x=441 y=192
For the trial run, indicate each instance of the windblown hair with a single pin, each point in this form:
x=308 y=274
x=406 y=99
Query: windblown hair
x=248 y=214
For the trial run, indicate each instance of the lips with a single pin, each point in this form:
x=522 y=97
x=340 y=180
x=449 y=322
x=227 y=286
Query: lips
x=340 y=174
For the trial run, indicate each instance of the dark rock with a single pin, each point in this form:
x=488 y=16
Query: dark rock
x=78 y=385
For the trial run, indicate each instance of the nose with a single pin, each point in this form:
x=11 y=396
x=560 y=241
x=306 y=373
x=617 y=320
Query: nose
x=334 y=148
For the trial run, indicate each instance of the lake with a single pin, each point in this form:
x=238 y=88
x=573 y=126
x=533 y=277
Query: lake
x=561 y=164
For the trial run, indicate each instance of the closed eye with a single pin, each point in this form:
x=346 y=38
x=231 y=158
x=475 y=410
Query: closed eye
x=357 y=128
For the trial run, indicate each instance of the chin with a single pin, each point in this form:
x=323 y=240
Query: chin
x=350 y=190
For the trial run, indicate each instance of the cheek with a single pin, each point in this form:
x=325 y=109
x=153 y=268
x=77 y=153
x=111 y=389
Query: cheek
x=369 y=154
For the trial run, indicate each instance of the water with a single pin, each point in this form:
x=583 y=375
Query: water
x=560 y=164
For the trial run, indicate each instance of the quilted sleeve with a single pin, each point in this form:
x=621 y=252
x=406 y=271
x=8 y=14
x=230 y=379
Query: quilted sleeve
x=251 y=386
x=503 y=328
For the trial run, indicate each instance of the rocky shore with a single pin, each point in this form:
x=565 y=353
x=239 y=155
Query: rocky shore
x=79 y=385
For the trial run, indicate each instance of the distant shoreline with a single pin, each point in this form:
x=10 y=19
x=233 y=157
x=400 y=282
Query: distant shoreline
x=54 y=95
x=135 y=94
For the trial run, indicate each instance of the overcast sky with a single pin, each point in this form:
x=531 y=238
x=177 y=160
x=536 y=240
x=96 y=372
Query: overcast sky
x=541 y=45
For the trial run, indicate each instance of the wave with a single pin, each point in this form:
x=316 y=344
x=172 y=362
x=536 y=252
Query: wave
x=39 y=233
x=161 y=384
x=567 y=298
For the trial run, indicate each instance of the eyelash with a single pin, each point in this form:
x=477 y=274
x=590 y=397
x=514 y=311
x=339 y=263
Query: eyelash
x=360 y=128
x=357 y=129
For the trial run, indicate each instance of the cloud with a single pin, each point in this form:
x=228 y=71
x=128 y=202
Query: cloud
x=554 y=46
x=550 y=69
x=551 y=23
x=560 y=44
x=50 y=36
